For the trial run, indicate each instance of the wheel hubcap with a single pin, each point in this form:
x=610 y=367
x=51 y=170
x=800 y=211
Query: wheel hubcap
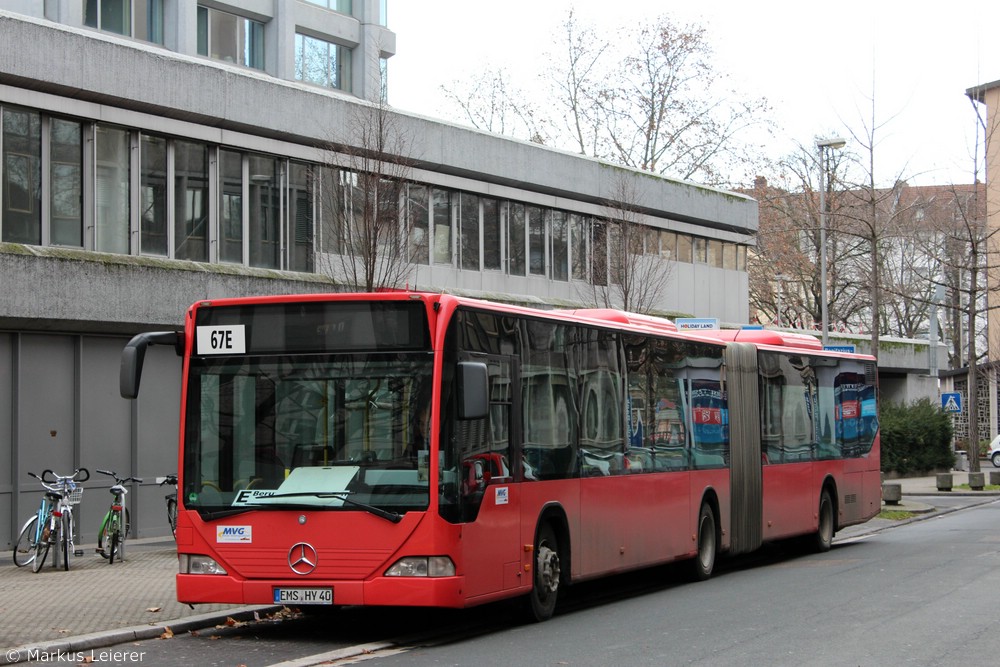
x=548 y=569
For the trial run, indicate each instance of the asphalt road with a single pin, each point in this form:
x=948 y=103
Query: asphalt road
x=922 y=594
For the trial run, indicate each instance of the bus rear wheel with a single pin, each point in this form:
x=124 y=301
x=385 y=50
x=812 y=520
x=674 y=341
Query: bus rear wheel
x=546 y=576
x=822 y=539
x=704 y=561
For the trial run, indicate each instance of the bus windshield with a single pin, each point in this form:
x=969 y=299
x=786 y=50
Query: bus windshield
x=318 y=431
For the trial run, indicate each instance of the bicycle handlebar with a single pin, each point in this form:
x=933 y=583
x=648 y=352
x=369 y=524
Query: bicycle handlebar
x=169 y=479
x=79 y=475
x=119 y=480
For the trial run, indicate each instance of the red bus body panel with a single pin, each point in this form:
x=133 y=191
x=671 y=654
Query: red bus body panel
x=614 y=523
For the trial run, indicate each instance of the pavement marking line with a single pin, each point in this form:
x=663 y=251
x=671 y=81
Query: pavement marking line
x=358 y=651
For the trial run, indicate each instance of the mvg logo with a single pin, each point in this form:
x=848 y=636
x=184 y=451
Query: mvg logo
x=233 y=534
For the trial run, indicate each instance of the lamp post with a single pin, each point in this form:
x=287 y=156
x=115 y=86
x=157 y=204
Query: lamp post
x=823 y=145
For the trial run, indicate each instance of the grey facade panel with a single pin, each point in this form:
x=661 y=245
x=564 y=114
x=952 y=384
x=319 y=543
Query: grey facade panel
x=8 y=469
x=76 y=290
x=68 y=413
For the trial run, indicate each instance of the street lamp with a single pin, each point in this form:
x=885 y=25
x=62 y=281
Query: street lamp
x=823 y=145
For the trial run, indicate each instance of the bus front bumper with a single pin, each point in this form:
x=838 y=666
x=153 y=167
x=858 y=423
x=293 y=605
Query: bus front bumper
x=381 y=591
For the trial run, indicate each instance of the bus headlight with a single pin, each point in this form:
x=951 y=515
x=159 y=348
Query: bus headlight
x=422 y=566
x=195 y=564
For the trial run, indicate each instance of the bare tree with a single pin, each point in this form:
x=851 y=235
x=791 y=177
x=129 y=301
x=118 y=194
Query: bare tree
x=490 y=101
x=576 y=80
x=662 y=107
x=365 y=234
x=626 y=270
x=789 y=245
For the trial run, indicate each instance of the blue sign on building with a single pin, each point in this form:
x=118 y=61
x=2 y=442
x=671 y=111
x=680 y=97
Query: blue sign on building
x=840 y=348
x=951 y=402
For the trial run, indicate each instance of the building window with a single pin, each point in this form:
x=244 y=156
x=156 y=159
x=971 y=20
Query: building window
x=560 y=246
x=231 y=206
x=441 y=207
x=66 y=183
x=729 y=256
x=668 y=245
x=417 y=222
x=22 y=176
x=142 y=19
x=230 y=38
x=191 y=201
x=578 y=243
x=699 y=248
x=684 y=248
x=492 y=235
x=265 y=209
x=153 y=196
x=515 y=239
x=599 y=258
x=536 y=240
x=300 y=217
x=342 y=6
x=322 y=63
x=112 y=196
x=714 y=253
x=469 y=231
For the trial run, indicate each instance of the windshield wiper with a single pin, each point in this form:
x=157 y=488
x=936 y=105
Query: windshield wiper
x=222 y=514
x=395 y=517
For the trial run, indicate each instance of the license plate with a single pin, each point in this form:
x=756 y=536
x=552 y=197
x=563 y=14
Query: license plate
x=303 y=596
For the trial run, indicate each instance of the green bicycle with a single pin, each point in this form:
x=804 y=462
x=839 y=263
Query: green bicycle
x=116 y=523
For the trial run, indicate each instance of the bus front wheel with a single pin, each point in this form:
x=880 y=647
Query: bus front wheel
x=546 y=575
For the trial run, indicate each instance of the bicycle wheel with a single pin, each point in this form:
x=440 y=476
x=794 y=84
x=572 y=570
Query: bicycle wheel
x=64 y=538
x=42 y=545
x=172 y=515
x=116 y=535
x=104 y=536
x=24 y=549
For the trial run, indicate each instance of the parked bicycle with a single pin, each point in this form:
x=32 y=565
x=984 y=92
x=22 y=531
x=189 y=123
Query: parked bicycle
x=171 y=499
x=116 y=523
x=52 y=524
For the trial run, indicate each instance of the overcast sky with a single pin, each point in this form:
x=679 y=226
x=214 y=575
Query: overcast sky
x=816 y=63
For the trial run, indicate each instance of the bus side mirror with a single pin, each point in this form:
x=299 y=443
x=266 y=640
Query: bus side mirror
x=135 y=353
x=473 y=390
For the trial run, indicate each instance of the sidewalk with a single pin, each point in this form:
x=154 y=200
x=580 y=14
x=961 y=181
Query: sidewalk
x=95 y=604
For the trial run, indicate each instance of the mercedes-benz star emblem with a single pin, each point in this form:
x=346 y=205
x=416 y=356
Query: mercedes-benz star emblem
x=302 y=558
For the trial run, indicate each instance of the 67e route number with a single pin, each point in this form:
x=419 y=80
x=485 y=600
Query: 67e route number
x=228 y=339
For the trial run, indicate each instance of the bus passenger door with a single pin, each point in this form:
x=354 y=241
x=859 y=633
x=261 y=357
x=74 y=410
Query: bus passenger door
x=490 y=498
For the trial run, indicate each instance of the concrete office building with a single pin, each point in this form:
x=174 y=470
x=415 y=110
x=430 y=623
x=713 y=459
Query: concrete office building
x=158 y=152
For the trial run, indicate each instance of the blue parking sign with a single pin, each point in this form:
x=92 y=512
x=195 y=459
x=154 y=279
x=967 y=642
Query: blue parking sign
x=951 y=402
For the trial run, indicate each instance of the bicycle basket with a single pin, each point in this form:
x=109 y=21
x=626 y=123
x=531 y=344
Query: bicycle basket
x=75 y=496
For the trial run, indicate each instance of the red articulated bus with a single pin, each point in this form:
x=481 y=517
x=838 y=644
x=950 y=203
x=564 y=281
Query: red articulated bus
x=418 y=449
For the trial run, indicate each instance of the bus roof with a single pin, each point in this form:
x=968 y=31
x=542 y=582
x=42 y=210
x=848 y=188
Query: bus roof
x=609 y=317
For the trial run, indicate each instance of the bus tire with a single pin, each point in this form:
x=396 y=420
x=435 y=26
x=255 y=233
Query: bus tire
x=704 y=560
x=546 y=575
x=823 y=537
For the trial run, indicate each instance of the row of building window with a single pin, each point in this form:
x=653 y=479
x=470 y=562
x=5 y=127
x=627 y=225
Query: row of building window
x=229 y=37
x=73 y=183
